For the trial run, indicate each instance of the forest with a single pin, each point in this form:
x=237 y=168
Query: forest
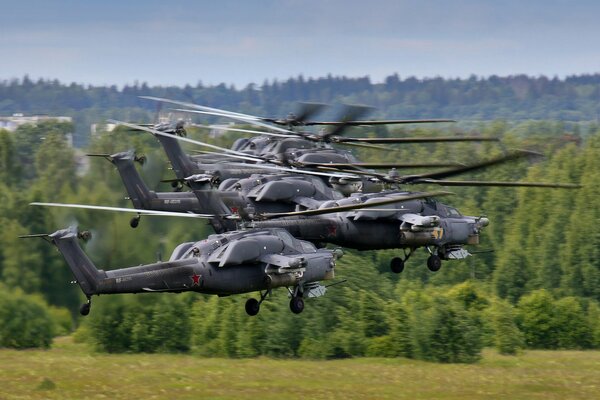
x=532 y=283
x=511 y=98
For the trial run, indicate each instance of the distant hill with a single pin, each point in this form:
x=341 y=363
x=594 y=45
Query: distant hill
x=513 y=98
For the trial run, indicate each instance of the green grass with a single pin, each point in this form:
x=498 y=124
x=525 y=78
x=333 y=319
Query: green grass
x=71 y=371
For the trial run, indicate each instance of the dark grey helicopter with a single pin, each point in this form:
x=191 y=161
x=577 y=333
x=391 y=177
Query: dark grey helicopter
x=324 y=219
x=390 y=220
x=313 y=142
x=197 y=174
x=393 y=219
x=256 y=194
x=339 y=169
x=222 y=264
x=261 y=193
x=419 y=221
x=286 y=146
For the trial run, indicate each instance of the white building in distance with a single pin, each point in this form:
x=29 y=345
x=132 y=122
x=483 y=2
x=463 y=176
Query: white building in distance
x=13 y=122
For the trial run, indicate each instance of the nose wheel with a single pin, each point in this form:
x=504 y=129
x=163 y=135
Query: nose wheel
x=297 y=300
x=297 y=304
x=434 y=263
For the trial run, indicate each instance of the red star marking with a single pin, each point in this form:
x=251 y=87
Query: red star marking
x=195 y=279
x=234 y=210
x=332 y=230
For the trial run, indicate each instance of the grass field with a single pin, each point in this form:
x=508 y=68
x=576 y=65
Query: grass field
x=71 y=371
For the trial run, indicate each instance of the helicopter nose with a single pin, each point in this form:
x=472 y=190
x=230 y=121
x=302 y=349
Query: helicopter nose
x=482 y=222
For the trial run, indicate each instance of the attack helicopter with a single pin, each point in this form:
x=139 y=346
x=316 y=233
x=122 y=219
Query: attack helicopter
x=303 y=207
x=411 y=219
x=289 y=147
x=390 y=219
x=222 y=264
x=269 y=192
x=408 y=221
x=291 y=154
x=371 y=230
x=255 y=194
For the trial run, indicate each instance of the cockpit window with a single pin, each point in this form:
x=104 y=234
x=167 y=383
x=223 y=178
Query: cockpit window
x=308 y=247
x=286 y=237
x=452 y=212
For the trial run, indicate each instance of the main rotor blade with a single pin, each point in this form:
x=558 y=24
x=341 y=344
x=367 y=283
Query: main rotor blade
x=260 y=159
x=197 y=106
x=359 y=172
x=263 y=165
x=225 y=128
x=365 y=145
x=350 y=112
x=357 y=206
x=381 y=122
x=122 y=209
x=500 y=183
x=307 y=110
x=240 y=155
x=441 y=139
x=251 y=121
x=215 y=113
x=468 y=168
x=382 y=165
x=436 y=175
x=301 y=171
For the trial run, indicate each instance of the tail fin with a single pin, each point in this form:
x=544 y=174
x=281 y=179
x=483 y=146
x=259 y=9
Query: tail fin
x=182 y=164
x=83 y=269
x=213 y=201
x=137 y=190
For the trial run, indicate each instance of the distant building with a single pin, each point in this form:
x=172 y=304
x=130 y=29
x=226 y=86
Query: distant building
x=106 y=127
x=17 y=119
x=13 y=122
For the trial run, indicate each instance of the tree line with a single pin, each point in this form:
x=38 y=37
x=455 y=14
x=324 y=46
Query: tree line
x=518 y=97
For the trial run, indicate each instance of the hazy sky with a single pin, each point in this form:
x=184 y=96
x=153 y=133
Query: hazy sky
x=236 y=41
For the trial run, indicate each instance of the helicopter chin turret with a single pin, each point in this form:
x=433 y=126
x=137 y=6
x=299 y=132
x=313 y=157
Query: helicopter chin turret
x=460 y=232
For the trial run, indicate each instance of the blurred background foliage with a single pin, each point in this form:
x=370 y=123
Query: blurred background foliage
x=537 y=287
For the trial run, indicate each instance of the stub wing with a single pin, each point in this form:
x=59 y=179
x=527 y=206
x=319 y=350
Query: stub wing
x=424 y=221
x=283 y=263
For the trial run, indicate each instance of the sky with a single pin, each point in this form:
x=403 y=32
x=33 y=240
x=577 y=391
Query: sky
x=240 y=42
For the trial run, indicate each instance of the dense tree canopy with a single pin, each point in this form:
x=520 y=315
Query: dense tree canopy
x=538 y=287
x=514 y=98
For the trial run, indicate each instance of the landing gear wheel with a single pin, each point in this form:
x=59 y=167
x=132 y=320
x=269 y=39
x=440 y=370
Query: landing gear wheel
x=434 y=263
x=85 y=308
x=252 y=307
x=135 y=221
x=297 y=304
x=397 y=265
